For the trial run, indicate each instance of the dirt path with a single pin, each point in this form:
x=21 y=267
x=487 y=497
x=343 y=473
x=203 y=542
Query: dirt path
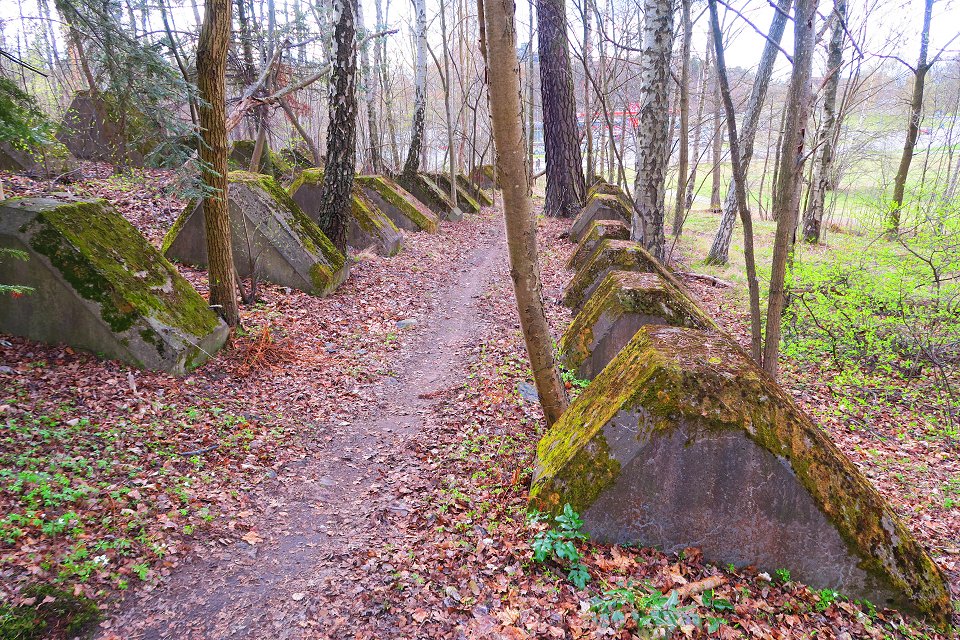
x=325 y=510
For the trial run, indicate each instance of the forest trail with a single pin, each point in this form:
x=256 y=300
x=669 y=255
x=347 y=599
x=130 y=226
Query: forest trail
x=330 y=506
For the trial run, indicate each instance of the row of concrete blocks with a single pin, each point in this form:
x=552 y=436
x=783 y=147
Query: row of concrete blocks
x=95 y=283
x=680 y=441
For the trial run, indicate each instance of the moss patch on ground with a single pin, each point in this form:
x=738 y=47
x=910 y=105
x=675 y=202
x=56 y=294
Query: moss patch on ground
x=48 y=612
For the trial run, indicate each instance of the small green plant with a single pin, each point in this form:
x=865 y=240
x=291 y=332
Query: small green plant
x=558 y=545
x=783 y=575
x=827 y=597
x=647 y=607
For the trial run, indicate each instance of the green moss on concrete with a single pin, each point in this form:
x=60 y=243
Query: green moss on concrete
x=617 y=202
x=679 y=376
x=409 y=206
x=598 y=231
x=108 y=262
x=67 y=615
x=313 y=239
x=619 y=255
x=626 y=292
x=427 y=192
x=481 y=196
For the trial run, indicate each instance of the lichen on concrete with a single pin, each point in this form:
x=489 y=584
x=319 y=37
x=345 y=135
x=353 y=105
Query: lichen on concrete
x=669 y=382
x=597 y=231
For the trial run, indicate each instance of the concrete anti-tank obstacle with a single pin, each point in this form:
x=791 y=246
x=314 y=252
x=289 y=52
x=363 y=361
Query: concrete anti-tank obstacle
x=271 y=236
x=611 y=255
x=369 y=226
x=429 y=193
x=398 y=204
x=98 y=285
x=682 y=441
x=271 y=162
x=91 y=131
x=598 y=231
x=465 y=201
x=485 y=176
x=45 y=161
x=621 y=304
x=600 y=206
x=475 y=190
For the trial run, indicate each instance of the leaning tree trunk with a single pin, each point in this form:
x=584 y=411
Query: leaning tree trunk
x=336 y=193
x=720 y=249
x=679 y=212
x=412 y=165
x=913 y=126
x=792 y=156
x=211 y=84
x=653 y=154
x=503 y=77
x=566 y=189
x=820 y=184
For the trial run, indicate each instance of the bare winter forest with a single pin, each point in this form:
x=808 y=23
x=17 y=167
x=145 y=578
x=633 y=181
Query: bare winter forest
x=479 y=319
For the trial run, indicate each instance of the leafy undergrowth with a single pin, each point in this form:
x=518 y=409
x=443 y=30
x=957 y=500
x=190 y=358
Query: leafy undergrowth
x=464 y=562
x=111 y=477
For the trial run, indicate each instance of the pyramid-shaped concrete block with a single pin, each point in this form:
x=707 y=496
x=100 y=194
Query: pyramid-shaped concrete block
x=465 y=201
x=429 y=193
x=611 y=255
x=91 y=130
x=369 y=226
x=485 y=176
x=271 y=236
x=681 y=441
x=401 y=207
x=599 y=230
x=98 y=285
x=271 y=163
x=624 y=302
x=600 y=206
x=45 y=161
x=478 y=194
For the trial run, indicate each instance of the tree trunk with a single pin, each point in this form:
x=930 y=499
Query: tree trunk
x=720 y=249
x=386 y=90
x=698 y=135
x=587 y=91
x=566 y=190
x=336 y=193
x=503 y=78
x=211 y=84
x=447 y=90
x=653 y=153
x=790 y=176
x=820 y=183
x=412 y=165
x=370 y=94
x=717 y=147
x=913 y=126
x=679 y=212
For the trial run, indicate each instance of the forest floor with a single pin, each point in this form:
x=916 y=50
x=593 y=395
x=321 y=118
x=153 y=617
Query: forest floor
x=367 y=480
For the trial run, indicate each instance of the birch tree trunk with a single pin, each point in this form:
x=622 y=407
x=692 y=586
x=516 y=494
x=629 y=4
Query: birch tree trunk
x=412 y=165
x=370 y=95
x=566 y=189
x=679 y=212
x=720 y=249
x=503 y=77
x=821 y=183
x=790 y=176
x=652 y=134
x=211 y=84
x=336 y=193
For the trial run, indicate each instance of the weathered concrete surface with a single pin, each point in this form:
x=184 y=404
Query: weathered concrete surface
x=427 y=192
x=46 y=161
x=465 y=201
x=600 y=206
x=90 y=130
x=683 y=442
x=624 y=302
x=369 y=226
x=475 y=190
x=272 y=238
x=401 y=207
x=598 y=231
x=611 y=255
x=100 y=286
x=271 y=163
x=485 y=177
x=603 y=187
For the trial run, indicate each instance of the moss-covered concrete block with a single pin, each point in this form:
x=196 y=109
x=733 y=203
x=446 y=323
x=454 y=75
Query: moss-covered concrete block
x=485 y=176
x=98 y=285
x=272 y=237
x=611 y=255
x=624 y=302
x=598 y=231
x=45 y=161
x=682 y=441
x=271 y=163
x=369 y=226
x=429 y=193
x=465 y=201
x=481 y=196
x=600 y=206
x=91 y=130
x=602 y=187
x=406 y=211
